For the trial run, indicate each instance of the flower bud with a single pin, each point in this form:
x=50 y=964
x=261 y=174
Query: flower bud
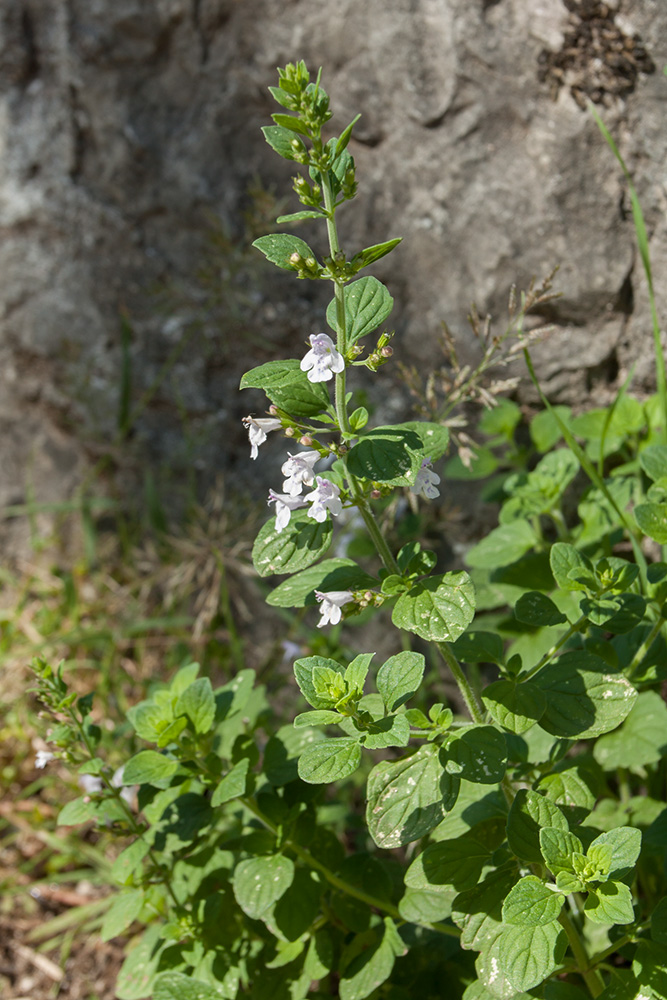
x=295 y=259
x=273 y=410
x=376 y=494
x=310 y=263
x=289 y=432
x=296 y=145
x=368 y=596
x=386 y=352
x=306 y=440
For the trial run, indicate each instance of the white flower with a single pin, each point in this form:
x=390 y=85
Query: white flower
x=285 y=504
x=89 y=783
x=322 y=360
x=258 y=429
x=425 y=482
x=299 y=471
x=42 y=758
x=331 y=605
x=325 y=496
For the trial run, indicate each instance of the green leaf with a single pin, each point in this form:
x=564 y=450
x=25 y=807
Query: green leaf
x=528 y=955
x=332 y=574
x=650 y=968
x=479 y=647
x=434 y=438
x=625 y=843
x=232 y=785
x=372 y=966
x=149 y=767
x=299 y=216
x=386 y=455
x=652 y=520
x=198 y=703
x=394 y=731
x=280 y=140
x=398 y=679
x=557 y=848
x=291 y=122
x=124 y=910
x=367 y=305
x=259 y=882
x=653 y=460
x=330 y=760
x=502 y=546
x=357 y=671
x=538 y=610
x=317 y=718
x=140 y=966
x=79 y=810
x=641 y=740
x=476 y=753
x=149 y=720
x=179 y=986
x=421 y=906
x=288 y=387
x=278 y=248
x=531 y=903
x=659 y=923
x=618 y=614
x=344 y=137
x=303 y=671
x=570 y=790
x=370 y=254
x=529 y=813
x=451 y=863
x=516 y=706
x=610 y=903
x=571 y=569
x=544 y=429
x=584 y=698
x=129 y=861
x=439 y=608
x=407 y=798
x=294 y=548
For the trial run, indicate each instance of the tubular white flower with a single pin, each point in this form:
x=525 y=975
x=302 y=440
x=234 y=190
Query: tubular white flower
x=325 y=497
x=258 y=428
x=43 y=757
x=285 y=504
x=299 y=471
x=322 y=360
x=331 y=605
x=425 y=482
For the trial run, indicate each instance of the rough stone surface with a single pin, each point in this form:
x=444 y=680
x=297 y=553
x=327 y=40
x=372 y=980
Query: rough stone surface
x=126 y=127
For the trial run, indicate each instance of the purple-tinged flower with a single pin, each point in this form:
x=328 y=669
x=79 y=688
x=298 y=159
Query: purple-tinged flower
x=258 y=428
x=285 y=504
x=325 y=497
x=299 y=471
x=425 y=482
x=322 y=360
x=331 y=605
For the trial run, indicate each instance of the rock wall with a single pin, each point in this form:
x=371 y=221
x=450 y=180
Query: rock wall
x=126 y=127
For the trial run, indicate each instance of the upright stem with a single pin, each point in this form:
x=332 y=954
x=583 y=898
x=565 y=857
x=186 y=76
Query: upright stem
x=339 y=292
x=474 y=707
x=593 y=979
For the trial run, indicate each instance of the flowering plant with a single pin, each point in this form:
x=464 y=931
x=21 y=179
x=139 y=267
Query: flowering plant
x=515 y=841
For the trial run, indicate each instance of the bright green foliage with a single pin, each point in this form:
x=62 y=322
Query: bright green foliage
x=509 y=822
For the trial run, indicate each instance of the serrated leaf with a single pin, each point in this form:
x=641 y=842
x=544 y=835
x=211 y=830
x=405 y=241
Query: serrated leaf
x=557 y=847
x=259 y=882
x=373 y=966
x=434 y=438
x=357 y=671
x=408 y=798
x=173 y=985
x=653 y=461
x=454 y=864
x=124 y=910
x=288 y=387
x=516 y=706
x=198 y=703
x=610 y=903
x=386 y=455
x=330 y=760
x=571 y=569
x=303 y=671
x=422 y=906
x=320 y=717
x=529 y=813
x=584 y=698
x=479 y=647
x=502 y=546
x=129 y=861
x=652 y=520
x=278 y=248
x=149 y=767
x=535 y=608
x=140 y=966
x=570 y=790
x=232 y=785
x=393 y=731
x=367 y=305
x=294 y=548
x=625 y=843
x=476 y=753
x=398 y=679
x=531 y=903
x=331 y=574
x=528 y=955
x=439 y=608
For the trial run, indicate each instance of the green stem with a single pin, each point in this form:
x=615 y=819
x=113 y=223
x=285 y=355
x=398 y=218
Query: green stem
x=573 y=629
x=339 y=883
x=339 y=292
x=593 y=979
x=645 y=646
x=474 y=707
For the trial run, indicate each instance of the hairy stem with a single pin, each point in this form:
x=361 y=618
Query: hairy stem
x=591 y=977
x=473 y=705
